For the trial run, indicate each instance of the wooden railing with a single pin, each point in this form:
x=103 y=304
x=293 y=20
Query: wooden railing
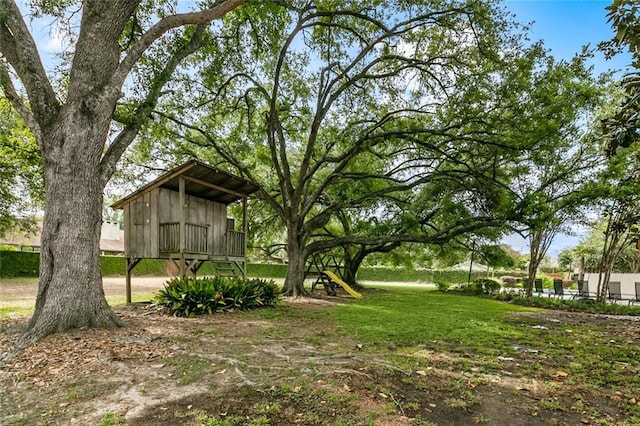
x=170 y=237
x=235 y=243
x=196 y=238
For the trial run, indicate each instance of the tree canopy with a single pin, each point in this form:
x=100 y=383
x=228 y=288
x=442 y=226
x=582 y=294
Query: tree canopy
x=553 y=179
x=21 y=191
x=355 y=108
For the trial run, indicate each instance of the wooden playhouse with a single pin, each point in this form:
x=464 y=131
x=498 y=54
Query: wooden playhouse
x=182 y=216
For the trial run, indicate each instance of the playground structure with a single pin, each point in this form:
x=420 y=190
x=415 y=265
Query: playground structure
x=328 y=269
x=182 y=216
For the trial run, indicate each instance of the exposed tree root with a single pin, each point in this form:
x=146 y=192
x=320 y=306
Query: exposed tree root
x=352 y=372
x=42 y=328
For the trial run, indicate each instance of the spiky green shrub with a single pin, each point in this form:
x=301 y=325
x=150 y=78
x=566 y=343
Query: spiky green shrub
x=190 y=297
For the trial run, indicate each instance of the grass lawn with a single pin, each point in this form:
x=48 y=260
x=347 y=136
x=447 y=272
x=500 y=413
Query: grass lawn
x=592 y=355
x=410 y=316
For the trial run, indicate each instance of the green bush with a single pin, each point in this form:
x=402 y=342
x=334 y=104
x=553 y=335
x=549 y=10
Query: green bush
x=112 y=265
x=547 y=281
x=19 y=264
x=485 y=286
x=190 y=297
x=443 y=286
x=417 y=275
x=267 y=270
x=588 y=305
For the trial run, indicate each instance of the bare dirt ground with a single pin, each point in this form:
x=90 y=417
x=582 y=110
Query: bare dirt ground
x=284 y=366
x=22 y=292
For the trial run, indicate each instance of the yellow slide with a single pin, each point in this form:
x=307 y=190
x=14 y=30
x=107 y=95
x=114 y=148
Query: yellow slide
x=333 y=277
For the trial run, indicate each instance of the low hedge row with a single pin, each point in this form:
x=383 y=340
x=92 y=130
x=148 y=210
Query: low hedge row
x=415 y=275
x=25 y=264
x=19 y=264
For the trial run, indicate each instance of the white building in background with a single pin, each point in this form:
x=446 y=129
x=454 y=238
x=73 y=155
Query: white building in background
x=627 y=283
x=464 y=266
x=111 y=239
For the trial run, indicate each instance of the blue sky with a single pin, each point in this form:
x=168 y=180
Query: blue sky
x=565 y=26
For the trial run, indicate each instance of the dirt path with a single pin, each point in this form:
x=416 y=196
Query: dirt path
x=22 y=292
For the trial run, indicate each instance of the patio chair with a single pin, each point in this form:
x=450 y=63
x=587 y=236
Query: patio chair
x=558 y=289
x=637 y=298
x=537 y=283
x=615 y=293
x=583 y=290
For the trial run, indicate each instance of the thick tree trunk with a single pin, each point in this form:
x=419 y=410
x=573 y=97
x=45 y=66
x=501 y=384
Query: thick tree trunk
x=609 y=254
x=534 y=262
x=532 y=271
x=294 y=281
x=70 y=293
x=352 y=263
x=605 y=274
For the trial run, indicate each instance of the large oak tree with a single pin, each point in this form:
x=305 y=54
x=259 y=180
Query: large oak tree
x=349 y=105
x=83 y=130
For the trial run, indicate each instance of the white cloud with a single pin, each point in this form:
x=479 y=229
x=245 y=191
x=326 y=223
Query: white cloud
x=55 y=43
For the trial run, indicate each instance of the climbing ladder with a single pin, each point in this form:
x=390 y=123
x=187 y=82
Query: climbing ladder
x=227 y=268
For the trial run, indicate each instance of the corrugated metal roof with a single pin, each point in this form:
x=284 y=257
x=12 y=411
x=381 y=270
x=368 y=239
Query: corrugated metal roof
x=201 y=180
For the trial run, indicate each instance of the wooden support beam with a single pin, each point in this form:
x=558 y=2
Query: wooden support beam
x=183 y=220
x=245 y=229
x=131 y=263
x=214 y=186
x=196 y=265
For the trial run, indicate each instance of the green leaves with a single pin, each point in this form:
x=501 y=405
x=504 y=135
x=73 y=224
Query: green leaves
x=190 y=297
x=22 y=189
x=622 y=126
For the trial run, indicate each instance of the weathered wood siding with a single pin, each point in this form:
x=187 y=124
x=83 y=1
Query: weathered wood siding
x=137 y=230
x=218 y=214
x=144 y=216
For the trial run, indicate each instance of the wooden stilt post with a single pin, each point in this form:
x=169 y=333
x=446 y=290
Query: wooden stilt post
x=245 y=229
x=195 y=267
x=182 y=200
x=127 y=280
x=130 y=264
